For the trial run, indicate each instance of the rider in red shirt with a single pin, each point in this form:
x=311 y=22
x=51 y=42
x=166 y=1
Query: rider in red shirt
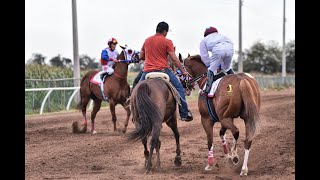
x=155 y=51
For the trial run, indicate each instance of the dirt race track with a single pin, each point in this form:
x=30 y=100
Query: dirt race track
x=52 y=151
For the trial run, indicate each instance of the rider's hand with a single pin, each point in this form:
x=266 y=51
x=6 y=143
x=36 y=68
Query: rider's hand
x=115 y=60
x=185 y=73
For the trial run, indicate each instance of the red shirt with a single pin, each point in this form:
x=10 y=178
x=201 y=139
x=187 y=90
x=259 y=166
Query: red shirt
x=156 y=50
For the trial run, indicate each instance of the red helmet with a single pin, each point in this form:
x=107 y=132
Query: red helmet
x=112 y=41
x=209 y=30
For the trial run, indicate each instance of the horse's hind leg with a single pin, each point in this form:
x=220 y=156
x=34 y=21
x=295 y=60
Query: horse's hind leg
x=96 y=108
x=172 y=123
x=113 y=113
x=154 y=143
x=158 y=165
x=146 y=152
x=84 y=103
x=127 y=108
x=228 y=123
x=247 y=146
x=222 y=134
x=207 y=124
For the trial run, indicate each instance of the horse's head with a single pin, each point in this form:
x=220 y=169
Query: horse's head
x=128 y=55
x=196 y=69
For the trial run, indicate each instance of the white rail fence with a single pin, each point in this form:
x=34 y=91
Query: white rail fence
x=50 y=90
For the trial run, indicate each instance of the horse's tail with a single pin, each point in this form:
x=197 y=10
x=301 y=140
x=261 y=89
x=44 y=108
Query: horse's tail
x=251 y=100
x=144 y=111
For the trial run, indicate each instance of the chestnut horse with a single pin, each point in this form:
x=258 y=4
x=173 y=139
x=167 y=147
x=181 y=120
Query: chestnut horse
x=236 y=95
x=153 y=103
x=116 y=89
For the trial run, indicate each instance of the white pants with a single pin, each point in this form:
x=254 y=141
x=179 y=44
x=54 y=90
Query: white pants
x=107 y=69
x=221 y=54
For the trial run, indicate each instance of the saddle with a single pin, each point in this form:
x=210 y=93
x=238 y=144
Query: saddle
x=159 y=75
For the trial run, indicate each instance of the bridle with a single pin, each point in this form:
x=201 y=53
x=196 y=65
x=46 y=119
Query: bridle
x=191 y=81
x=134 y=59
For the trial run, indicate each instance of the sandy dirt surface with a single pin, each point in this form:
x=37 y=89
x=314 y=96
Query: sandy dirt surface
x=52 y=151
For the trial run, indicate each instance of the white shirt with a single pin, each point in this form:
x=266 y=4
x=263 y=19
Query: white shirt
x=112 y=54
x=208 y=43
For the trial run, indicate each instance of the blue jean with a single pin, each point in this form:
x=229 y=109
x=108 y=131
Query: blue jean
x=183 y=109
x=137 y=79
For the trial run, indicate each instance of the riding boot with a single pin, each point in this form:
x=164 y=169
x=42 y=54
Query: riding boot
x=210 y=76
x=102 y=75
x=210 y=79
x=230 y=71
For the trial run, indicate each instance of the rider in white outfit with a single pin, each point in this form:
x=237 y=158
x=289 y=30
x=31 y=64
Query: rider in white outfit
x=109 y=57
x=222 y=51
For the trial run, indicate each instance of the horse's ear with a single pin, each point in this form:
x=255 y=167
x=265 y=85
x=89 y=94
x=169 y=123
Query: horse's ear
x=122 y=47
x=188 y=55
x=180 y=57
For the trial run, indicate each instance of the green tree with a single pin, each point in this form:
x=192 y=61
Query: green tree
x=57 y=61
x=290 y=56
x=37 y=58
x=67 y=62
x=87 y=62
x=262 y=57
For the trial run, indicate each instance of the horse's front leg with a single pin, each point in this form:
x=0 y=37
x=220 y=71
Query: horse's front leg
x=222 y=134
x=228 y=123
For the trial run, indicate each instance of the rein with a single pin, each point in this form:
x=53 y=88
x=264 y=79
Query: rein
x=125 y=61
x=191 y=82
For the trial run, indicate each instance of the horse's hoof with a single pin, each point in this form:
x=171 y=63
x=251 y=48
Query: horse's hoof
x=124 y=131
x=94 y=132
x=244 y=172
x=148 y=172
x=235 y=160
x=177 y=161
x=208 y=168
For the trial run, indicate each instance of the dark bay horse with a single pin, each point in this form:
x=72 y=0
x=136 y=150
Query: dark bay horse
x=116 y=89
x=153 y=103
x=236 y=95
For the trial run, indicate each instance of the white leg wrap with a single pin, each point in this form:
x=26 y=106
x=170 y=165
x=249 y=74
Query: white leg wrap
x=244 y=170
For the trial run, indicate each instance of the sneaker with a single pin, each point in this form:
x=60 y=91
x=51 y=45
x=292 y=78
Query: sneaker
x=188 y=118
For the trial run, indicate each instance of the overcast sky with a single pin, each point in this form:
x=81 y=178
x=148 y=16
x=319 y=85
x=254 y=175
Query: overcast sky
x=48 y=23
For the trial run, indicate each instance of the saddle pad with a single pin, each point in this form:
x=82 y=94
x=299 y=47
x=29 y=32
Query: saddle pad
x=96 y=78
x=213 y=87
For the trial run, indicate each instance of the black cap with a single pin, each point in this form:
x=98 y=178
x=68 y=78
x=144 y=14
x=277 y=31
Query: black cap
x=162 y=26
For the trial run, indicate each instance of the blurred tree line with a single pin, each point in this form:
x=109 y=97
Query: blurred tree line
x=86 y=62
x=261 y=57
x=267 y=58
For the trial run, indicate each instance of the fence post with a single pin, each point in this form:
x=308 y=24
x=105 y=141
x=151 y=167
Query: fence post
x=49 y=109
x=32 y=97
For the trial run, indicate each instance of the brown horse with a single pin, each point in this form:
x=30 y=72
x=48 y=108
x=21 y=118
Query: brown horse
x=236 y=95
x=153 y=103
x=116 y=89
